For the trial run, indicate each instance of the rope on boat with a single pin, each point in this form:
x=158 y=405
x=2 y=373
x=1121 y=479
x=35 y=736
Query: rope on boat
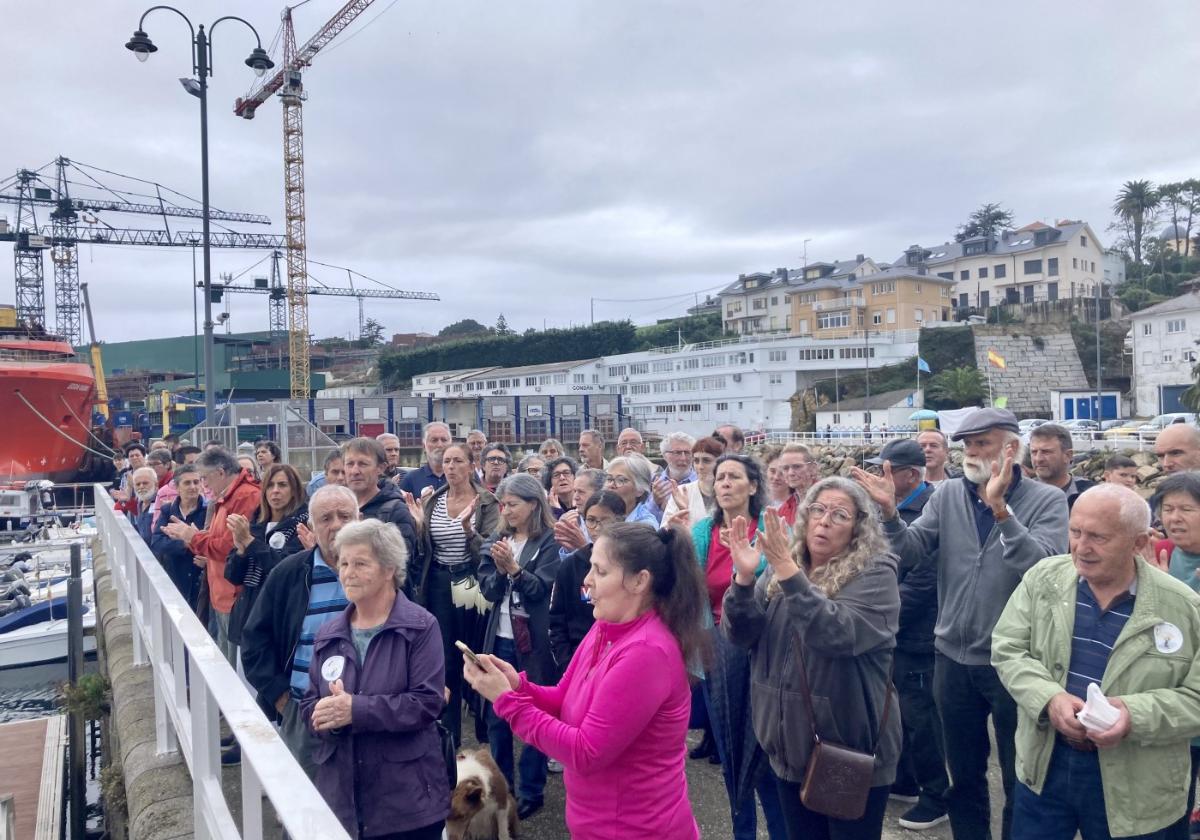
x=87 y=428
x=51 y=424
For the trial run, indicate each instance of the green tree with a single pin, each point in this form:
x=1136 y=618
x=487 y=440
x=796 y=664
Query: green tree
x=372 y=334
x=502 y=327
x=463 y=328
x=1191 y=201
x=989 y=220
x=961 y=386
x=1135 y=205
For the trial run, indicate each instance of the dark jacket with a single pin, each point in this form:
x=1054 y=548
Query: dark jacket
x=174 y=555
x=415 y=481
x=386 y=768
x=1074 y=488
x=272 y=629
x=250 y=570
x=848 y=642
x=388 y=506
x=539 y=561
x=143 y=521
x=486 y=518
x=570 y=615
x=918 y=591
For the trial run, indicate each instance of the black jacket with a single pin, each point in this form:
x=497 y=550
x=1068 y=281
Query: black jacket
x=918 y=592
x=539 y=560
x=570 y=615
x=388 y=506
x=272 y=629
x=264 y=553
x=174 y=555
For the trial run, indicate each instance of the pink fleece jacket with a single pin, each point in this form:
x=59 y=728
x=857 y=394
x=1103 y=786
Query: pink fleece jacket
x=617 y=721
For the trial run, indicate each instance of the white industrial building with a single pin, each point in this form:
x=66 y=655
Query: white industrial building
x=748 y=381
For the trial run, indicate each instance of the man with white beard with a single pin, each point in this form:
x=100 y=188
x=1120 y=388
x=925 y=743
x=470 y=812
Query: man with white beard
x=145 y=487
x=983 y=531
x=676 y=449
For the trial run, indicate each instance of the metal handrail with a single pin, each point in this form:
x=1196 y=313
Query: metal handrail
x=194 y=685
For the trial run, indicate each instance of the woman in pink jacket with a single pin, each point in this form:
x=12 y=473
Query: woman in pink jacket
x=618 y=718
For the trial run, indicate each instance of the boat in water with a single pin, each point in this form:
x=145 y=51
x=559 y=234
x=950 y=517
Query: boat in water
x=46 y=396
x=33 y=602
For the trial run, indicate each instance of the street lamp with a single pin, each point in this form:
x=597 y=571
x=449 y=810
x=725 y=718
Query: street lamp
x=141 y=46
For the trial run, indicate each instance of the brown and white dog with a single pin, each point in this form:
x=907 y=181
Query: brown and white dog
x=481 y=806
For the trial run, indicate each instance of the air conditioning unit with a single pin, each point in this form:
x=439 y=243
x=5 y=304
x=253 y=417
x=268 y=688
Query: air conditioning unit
x=538 y=388
x=624 y=378
x=737 y=377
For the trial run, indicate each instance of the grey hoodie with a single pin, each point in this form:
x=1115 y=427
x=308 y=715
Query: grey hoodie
x=975 y=581
x=848 y=644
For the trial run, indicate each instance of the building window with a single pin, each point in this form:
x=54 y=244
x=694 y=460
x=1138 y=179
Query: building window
x=687 y=385
x=691 y=364
x=883 y=288
x=1083 y=241
x=787 y=298
x=1033 y=266
x=661 y=387
x=714 y=383
x=578 y=378
x=1176 y=325
x=544 y=379
x=662 y=367
x=1074 y=262
x=985 y=299
x=1093 y=268
x=946 y=275
x=1051 y=291
x=689 y=408
x=775 y=379
x=712 y=361
x=722 y=406
x=1052 y=266
x=964 y=275
x=777 y=356
x=1168 y=357
x=964 y=300
x=1028 y=291
x=1147 y=328
x=876 y=318
x=774 y=300
x=833 y=320
x=891 y=315
x=639 y=369
x=1000 y=270
x=616 y=370
x=917 y=288
x=644 y=388
x=918 y=315
x=758 y=303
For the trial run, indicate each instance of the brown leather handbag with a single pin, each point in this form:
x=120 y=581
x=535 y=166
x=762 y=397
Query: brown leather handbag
x=837 y=780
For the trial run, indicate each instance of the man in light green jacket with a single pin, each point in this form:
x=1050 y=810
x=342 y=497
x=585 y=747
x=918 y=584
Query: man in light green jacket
x=1101 y=614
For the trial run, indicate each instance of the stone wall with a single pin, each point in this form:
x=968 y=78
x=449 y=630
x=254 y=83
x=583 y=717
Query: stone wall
x=1038 y=358
x=158 y=789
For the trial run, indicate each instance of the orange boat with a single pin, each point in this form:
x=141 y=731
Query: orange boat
x=46 y=397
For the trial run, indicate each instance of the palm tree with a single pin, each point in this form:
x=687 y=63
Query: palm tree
x=961 y=386
x=1135 y=203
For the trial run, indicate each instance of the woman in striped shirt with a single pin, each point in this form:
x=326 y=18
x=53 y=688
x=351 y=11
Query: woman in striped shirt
x=455 y=520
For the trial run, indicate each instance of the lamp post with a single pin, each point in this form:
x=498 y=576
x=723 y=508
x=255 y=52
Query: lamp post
x=141 y=46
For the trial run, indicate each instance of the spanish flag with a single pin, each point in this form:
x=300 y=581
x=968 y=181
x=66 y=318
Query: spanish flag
x=996 y=360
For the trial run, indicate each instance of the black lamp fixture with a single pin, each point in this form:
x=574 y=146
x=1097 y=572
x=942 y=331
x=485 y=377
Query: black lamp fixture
x=141 y=46
x=258 y=61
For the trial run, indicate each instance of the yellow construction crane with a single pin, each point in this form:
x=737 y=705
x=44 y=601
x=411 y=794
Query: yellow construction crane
x=97 y=361
x=288 y=84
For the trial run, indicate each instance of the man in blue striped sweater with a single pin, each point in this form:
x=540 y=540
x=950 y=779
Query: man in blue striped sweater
x=298 y=596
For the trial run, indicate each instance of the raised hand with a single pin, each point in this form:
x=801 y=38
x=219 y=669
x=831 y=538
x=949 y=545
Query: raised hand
x=414 y=508
x=662 y=490
x=177 y=529
x=502 y=556
x=567 y=532
x=680 y=518
x=881 y=488
x=464 y=518
x=745 y=554
x=775 y=542
x=486 y=676
x=679 y=495
x=333 y=712
x=239 y=526
x=307 y=538
x=998 y=484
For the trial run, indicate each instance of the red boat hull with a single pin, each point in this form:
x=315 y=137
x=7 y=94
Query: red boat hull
x=44 y=406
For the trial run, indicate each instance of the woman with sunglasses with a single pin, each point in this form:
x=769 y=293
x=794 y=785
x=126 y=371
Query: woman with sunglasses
x=828 y=603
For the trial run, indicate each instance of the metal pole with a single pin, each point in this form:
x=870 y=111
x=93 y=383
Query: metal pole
x=1099 y=392
x=210 y=387
x=195 y=327
x=75 y=744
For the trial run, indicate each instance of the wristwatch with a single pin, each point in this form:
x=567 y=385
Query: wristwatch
x=1004 y=514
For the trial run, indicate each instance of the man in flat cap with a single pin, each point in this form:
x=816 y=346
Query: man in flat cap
x=983 y=531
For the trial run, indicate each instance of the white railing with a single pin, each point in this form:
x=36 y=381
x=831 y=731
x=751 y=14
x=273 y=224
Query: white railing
x=194 y=686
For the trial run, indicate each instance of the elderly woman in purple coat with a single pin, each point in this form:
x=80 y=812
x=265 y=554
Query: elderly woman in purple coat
x=377 y=680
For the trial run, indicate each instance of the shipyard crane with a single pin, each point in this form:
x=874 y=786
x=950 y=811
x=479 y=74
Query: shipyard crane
x=288 y=84
x=277 y=294
x=29 y=189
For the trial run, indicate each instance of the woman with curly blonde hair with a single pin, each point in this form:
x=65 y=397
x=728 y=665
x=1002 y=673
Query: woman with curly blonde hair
x=829 y=603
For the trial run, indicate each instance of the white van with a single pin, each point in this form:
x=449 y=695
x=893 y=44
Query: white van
x=1150 y=430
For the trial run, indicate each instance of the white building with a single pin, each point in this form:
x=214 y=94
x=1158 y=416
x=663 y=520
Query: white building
x=1164 y=349
x=886 y=412
x=747 y=381
x=761 y=303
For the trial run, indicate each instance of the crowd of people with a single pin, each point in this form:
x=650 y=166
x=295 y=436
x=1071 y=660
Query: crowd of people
x=841 y=640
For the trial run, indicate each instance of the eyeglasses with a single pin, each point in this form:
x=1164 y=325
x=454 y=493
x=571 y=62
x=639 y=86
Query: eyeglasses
x=534 y=470
x=618 y=480
x=562 y=474
x=496 y=459
x=678 y=452
x=840 y=516
x=593 y=523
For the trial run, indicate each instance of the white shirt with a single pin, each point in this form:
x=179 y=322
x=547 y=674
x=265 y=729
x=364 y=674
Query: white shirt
x=504 y=627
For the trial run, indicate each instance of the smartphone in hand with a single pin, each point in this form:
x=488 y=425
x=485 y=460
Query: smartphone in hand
x=467 y=652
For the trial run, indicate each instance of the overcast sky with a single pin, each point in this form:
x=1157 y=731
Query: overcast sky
x=523 y=157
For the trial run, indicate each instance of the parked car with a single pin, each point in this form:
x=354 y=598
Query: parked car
x=1026 y=426
x=1087 y=429
x=1150 y=430
x=1125 y=431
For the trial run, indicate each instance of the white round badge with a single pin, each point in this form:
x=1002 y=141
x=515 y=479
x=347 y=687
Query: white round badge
x=331 y=668
x=1167 y=637
x=277 y=541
